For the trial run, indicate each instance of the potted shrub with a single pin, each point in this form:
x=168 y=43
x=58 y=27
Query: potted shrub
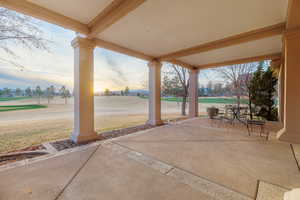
x=212 y=112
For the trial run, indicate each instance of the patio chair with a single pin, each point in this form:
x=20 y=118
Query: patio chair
x=222 y=117
x=260 y=124
x=243 y=116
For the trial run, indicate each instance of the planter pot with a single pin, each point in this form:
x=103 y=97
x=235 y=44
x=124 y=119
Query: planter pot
x=212 y=112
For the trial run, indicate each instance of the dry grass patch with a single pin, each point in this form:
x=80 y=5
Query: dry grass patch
x=20 y=135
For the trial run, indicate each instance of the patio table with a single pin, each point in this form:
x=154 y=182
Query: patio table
x=236 y=113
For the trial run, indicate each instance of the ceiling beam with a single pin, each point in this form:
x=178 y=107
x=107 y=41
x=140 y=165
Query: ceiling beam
x=293 y=14
x=136 y=54
x=123 y=50
x=274 y=56
x=111 y=14
x=229 y=41
x=180 y=63
x=39 y=12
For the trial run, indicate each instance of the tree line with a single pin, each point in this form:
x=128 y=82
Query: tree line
x=49 y=93
x=124 y=92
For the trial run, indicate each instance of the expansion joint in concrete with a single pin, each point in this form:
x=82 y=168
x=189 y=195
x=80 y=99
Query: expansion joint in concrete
x=76 y=173
x=295 y=157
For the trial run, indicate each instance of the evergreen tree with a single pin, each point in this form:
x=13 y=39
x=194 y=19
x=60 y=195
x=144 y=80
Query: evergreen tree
x=126 y=91
x=255 y=90
x=6 y=92
x=106 y=92
x=28 y=92
x=268 y=109
x=18 y=92
x=262 y=89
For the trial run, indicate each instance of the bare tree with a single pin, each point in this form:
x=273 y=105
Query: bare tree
x=38 y=93
x=19 y=30
x=176 y=83
x=65 y=93
x=238 y=76
x=50 y=93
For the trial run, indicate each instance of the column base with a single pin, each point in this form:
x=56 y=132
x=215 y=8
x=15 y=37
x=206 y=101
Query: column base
x=84 y=137
x=193 y=115
x=289 y=136
x=155 y=123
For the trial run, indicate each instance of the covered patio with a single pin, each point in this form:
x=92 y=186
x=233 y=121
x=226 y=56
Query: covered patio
x=196 y=35
x=187 y=160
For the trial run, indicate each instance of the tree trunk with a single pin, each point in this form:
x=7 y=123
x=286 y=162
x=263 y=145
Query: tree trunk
x=238 y=98
x=66 y=100
x=250 y=109
x=250 y=106
x=183 y=106
x=238 y=101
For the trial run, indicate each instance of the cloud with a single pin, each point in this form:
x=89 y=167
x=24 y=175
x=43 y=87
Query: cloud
x=112 y=70
x=120 y=78
x=116 y=71
x=23 y=80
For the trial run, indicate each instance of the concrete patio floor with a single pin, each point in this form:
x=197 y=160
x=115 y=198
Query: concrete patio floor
x=186 y=160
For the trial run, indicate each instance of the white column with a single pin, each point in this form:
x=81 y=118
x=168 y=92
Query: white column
x=83 y=90
x=278 y=66
x=293 y=194
x=154 y=93
x=193 y=93
x=281 y=94
x=291 y=132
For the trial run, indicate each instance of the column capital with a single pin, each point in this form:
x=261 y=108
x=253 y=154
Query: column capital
x=154 y=63
x=292 y=33
x=83 y=42
x=275 y=64
x=194 y=71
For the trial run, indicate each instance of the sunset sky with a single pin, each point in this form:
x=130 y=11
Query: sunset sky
x=112 y=70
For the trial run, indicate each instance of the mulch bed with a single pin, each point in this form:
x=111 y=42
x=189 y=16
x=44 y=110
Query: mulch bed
x=13 y=158
x=21 y=154
x=31 y=148
x=67 y=143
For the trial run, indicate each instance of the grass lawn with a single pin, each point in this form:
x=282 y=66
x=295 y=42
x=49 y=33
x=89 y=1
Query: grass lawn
x=206 y=100
x=12 y=98
x=21 y=107
x=221 y=100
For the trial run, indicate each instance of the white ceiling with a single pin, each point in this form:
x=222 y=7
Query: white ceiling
x=162 y=26
x=80 y=10
x=245 y=50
